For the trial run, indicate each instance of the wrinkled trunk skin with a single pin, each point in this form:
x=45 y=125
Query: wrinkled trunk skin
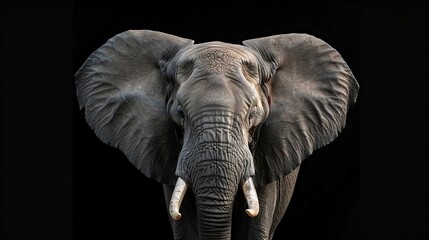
x=214 y=211
x=215 y=166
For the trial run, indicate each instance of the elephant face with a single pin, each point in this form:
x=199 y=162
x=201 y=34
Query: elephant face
x=218 y=76
x=215 y=116
x=217 y=102
x=217 y=99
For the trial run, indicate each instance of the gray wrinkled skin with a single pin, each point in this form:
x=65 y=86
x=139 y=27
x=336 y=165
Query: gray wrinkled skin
x=215 y=114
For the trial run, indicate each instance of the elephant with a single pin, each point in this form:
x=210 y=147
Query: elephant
x=222 y=127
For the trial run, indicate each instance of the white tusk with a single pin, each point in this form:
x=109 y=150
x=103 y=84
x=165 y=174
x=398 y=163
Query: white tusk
x=251 y=198
x=176 y=198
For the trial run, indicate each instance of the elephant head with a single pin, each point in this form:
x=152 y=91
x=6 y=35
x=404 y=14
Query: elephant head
x=215 y=117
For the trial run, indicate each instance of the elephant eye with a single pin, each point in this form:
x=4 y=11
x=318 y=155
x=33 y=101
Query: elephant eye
x=186 y=63
x=250 y=70
x=253 y=113
x=249 y=66
x=185 y=69
x=180 y=113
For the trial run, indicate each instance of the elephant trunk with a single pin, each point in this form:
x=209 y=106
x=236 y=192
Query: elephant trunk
x=215 y=161
x=215 y=178
x=214 y=211
x=215 y=207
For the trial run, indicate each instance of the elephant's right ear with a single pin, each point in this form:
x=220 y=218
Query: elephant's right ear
x=123 y=90
x=311 y=89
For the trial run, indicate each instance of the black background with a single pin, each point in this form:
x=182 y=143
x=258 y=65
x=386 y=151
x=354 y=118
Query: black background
x=60 y=182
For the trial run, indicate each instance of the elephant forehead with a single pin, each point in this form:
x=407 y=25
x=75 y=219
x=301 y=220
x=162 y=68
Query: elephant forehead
x=219 y=58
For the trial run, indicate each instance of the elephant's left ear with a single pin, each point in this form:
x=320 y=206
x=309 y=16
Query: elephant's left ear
x=311 y=90
x=123 y=90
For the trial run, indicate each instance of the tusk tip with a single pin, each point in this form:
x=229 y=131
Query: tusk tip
x=252 y=212
x=176 y=215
